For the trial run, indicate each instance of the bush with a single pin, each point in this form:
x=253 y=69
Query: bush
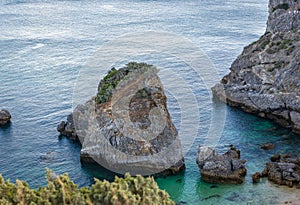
x=265 y=43
x=114 y=76
x=61 y=190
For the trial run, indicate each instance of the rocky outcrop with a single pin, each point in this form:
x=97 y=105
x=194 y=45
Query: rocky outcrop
x=284 y=171
x=284 y=15
x=127 y=126
x=5 y=117
x=68 y=128
x=256 y=177
x=265 y=78
x=225 y=168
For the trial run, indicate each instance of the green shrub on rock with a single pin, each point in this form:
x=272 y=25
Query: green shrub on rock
x=61 y=190
x=114 y=76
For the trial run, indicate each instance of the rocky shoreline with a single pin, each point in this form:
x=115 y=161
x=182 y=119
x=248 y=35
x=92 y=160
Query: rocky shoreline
x=265 y=78
x=282 y=170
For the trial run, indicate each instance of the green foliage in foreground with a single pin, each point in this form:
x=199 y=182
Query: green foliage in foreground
x=61 y=190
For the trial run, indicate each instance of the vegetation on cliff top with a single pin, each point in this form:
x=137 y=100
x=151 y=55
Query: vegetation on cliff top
x=112 y=79
x=61 y=190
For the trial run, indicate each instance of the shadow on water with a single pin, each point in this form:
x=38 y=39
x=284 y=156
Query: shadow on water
x=98 y=172
x=174 y=185
x=6 y=129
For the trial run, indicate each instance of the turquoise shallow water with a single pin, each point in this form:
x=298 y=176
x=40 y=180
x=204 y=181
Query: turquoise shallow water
x=44 y=45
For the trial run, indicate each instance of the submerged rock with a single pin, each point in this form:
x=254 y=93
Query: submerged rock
x=5 y=117
x=284 y=171
x=265 y=78
x=126 y=127
x=225 y=168
x=267 y=146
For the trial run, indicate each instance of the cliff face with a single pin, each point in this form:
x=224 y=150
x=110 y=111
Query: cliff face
x=265 y=78
x=127 y=126
x=284 y=15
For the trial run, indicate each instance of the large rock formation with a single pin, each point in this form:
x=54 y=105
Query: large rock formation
x=265 y=78
x=4 y=117
x=225 y=168
x=285 y=170
x=127 y=126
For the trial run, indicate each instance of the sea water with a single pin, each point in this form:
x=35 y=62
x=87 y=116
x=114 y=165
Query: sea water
x=44 y=46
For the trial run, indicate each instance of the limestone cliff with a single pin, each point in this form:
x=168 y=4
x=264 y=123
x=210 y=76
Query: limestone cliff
x=126 y=127
x=265 y=78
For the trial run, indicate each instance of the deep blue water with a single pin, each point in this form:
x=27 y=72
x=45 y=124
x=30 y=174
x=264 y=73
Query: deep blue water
x=45 y=44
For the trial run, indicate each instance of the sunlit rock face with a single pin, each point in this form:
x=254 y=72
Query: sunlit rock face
x=265 y=78
x=127 y=126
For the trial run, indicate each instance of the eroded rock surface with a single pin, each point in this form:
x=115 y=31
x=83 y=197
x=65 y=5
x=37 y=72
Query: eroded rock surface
x=68 y=128
x=283 y=170
x=284 y=15
x=265 y=78
x=127 y=126
x=225 y=168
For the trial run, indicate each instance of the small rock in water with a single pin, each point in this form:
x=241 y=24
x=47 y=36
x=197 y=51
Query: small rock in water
x=68 y=128
x=213 y=186
x=178 y=180
x=4 y=117
x=275 y=158
x=267 y=146
x=225 y=168
x=233 y=197
x=256 y=177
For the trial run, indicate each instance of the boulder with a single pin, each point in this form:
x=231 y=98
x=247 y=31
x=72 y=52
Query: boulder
x=275 y=158
x=4 y=117
x=284 y=171
x=225 y=168
x=256 y=177
x=67 y=128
